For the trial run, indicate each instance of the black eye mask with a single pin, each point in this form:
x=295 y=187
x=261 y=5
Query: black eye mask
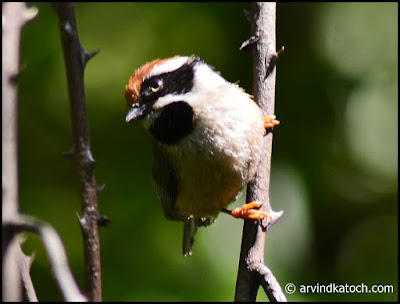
x=176 y=82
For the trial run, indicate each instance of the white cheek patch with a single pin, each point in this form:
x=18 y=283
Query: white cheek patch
x=168 y=99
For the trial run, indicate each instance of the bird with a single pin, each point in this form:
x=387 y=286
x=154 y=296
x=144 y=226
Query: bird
x=207 y=136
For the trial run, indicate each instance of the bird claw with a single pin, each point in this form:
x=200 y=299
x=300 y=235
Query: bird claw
x=247 y=211
x=270 y=122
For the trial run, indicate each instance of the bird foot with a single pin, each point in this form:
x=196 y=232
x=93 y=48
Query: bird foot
x=270 y=122
x=247 y=211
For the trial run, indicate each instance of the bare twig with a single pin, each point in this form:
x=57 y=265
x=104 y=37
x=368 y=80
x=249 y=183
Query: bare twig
x=252 y=271
x=14 y=16
x=55 y=251
x=25 y=266
x=75 y=58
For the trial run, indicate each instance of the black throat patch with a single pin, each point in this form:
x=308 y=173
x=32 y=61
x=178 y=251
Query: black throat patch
x=175 y=122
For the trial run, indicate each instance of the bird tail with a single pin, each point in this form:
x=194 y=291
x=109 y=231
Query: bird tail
x=189 y=230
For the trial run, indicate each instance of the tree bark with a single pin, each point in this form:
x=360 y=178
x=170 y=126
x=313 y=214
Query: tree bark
x=75 y=58
x=252 y=271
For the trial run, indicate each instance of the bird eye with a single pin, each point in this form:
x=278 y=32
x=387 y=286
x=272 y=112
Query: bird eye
x=156 y=85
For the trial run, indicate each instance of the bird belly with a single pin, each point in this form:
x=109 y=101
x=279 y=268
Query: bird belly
x=206 y=186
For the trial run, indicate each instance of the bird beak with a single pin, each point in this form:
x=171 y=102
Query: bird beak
x=137 y=111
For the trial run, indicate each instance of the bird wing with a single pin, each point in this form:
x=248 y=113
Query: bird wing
x=166 y=183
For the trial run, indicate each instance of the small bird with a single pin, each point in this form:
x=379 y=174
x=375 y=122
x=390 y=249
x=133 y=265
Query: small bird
x=207 y=139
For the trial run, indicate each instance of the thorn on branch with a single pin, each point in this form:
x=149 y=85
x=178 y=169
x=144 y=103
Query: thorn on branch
x=67 y=30
x=30 y=13
x=271 y=63
x=249 y=43
x=25 y=264
x=100 y=189
x=70 y=153
x=247 y=15
x=103 y=220
x=275 y=216
x=86 y=56
x=13 y=78
x=88 y=161
x=83 y=223
x=30 y=258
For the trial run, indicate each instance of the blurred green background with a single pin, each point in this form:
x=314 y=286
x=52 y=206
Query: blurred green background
x=334 y=163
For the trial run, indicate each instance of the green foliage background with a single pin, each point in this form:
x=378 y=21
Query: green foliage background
x=335 y=154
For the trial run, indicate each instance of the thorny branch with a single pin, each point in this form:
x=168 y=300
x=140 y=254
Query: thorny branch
x=252 y=271
x=75 y=58
x=16 y=264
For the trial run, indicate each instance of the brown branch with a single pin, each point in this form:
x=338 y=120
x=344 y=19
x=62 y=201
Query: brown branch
x=75 y=58
x=252 y=271
x=14 y=17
